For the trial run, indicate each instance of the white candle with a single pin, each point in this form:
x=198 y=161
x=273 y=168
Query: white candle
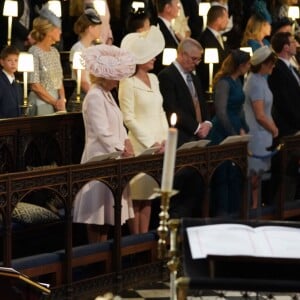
x=169 y=157
x=78 y=84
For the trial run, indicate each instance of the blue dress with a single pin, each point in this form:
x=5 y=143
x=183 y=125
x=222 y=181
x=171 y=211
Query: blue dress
x=229 y=118
x=254 y=44
x=256 y=87
x=226 y=192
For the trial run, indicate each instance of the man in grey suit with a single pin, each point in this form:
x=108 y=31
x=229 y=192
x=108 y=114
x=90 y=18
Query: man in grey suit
x=182 y=94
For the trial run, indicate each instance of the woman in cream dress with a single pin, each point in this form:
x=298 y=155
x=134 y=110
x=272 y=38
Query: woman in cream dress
x=104 y=133
x=141 y=105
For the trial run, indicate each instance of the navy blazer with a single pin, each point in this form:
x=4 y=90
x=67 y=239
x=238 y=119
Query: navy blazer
x=170 y=42
x=286 y=99
x=208 y=40
x=10 y=98
x=177 y=98
x=195 y=21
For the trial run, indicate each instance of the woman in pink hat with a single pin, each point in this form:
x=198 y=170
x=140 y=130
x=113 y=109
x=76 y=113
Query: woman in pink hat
x=104 y=133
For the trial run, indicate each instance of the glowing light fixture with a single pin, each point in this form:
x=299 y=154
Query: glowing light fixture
x=293 y=12
x=25 y=65
x=136 y=5
x=100 y=7
x=211 y=57
x=78 y=66
x=10 y=10
x=169 y=55
x=203 y=10
x=247 y=49
x=55 y=7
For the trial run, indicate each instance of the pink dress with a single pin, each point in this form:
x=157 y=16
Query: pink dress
x=104 y=132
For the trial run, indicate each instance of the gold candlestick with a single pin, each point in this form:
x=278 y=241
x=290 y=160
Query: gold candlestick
x=165 y=228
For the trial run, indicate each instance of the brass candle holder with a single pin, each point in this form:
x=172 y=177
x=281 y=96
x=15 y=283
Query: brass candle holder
x=168 y=228
x=163 y=230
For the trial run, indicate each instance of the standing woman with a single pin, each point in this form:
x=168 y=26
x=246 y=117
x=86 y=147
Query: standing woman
x=141 y=104
x=46 y=82
x=88 y=28
x=256 y=31
x=229 y=97
x=229 y=120
x=258 y=105
x=104 y=133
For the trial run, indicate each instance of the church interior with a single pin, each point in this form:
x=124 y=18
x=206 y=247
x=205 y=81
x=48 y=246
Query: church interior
x=45 y=255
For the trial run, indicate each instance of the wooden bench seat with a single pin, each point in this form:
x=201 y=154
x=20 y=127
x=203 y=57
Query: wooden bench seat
x=39 y=265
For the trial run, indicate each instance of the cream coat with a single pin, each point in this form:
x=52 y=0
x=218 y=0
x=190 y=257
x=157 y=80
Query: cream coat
x=146 y=121
x=104 y=133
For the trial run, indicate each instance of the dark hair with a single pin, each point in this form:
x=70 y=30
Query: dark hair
x=279 y=23
x=160 y=4
x=272 y=58
x=279 y=40
x=231 y=64
x=239 y=56
x=136 y=20
x=8 y=50
x=214 y=13
x=88 y=18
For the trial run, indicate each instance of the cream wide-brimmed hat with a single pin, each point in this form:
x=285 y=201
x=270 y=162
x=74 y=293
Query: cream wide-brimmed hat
x=110 y=62
x=144 y=45
x=260 y=55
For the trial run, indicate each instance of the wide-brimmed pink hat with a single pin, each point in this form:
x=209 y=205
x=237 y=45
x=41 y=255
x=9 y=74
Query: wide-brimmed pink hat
x=109 y=62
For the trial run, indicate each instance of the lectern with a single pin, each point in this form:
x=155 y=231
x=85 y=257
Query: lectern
x=17 y=286
x=236 y=273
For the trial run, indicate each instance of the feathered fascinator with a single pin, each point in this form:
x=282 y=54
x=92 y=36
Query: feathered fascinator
x=109 y=62
x=260 y=9
x=47 y=14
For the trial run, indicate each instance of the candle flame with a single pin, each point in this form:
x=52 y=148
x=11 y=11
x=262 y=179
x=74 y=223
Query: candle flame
x=173 y=119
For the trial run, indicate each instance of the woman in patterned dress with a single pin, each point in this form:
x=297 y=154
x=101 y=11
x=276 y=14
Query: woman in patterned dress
x=46 y=82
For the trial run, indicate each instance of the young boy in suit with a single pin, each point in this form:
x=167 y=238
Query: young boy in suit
x=10 y=91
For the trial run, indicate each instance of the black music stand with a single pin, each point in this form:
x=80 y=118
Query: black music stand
x=255 y=274
x=17 y=286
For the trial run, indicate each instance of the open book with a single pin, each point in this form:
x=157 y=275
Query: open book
x=194 y=144
x=112 y=155
x=236 y=138
x=243 y=240
x=150 y=151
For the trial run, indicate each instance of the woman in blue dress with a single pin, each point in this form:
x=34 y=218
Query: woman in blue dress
x=258 y=105
x=229 y=120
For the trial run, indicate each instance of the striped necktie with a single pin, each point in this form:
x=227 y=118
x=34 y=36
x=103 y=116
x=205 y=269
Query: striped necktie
x=191 y=86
